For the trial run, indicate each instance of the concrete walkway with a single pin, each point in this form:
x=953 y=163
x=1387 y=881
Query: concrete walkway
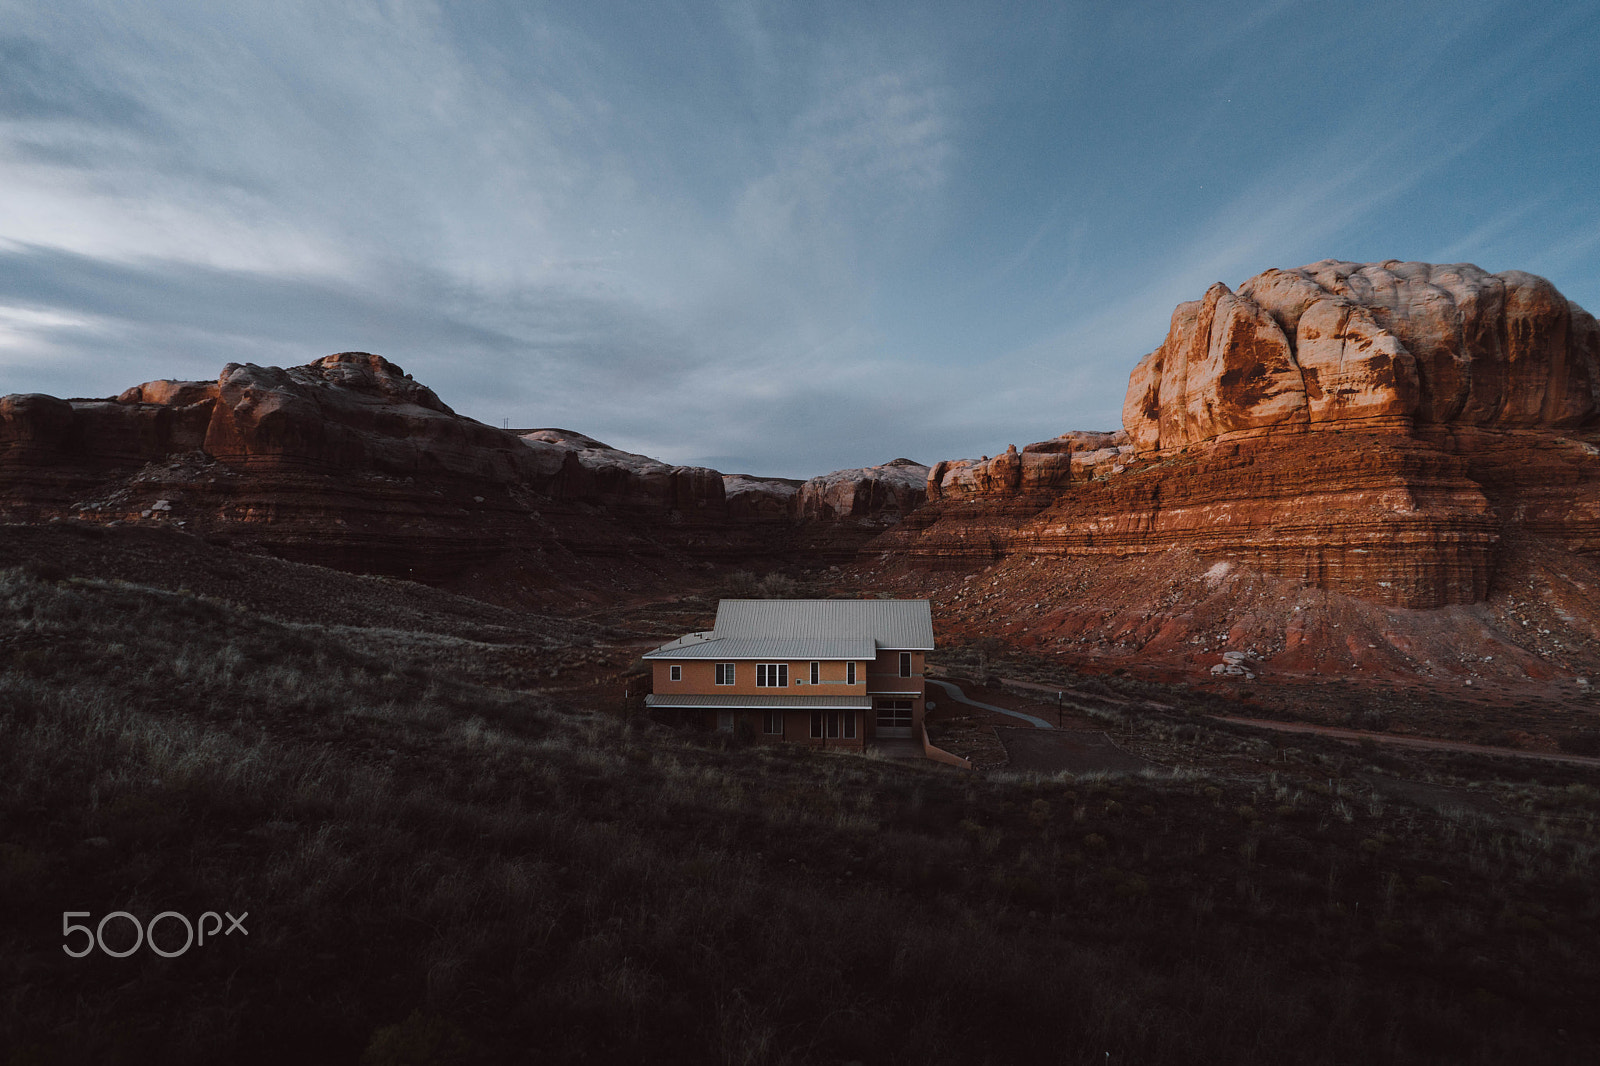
x=961 y=697
x=896 y=748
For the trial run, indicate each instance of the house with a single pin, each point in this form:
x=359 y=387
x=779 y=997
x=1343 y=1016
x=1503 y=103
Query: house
x=829 y=673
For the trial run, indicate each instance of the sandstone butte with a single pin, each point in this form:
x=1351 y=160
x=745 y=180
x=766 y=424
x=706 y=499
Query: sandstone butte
x=1384 y=430
x=348 y=462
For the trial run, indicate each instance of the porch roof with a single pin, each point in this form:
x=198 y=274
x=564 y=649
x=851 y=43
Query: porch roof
x=723 y=702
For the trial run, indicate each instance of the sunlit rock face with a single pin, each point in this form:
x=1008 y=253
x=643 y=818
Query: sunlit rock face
x=1374 y=428
x=1392 y=345
x=875 y=493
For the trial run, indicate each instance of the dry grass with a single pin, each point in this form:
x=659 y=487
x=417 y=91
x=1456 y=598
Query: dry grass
x=442 y=871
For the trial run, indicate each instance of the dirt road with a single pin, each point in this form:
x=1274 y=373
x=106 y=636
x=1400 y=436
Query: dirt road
x=1406 y=742
x=1337 y=733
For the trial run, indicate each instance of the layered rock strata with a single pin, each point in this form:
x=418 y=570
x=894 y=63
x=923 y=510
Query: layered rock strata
x=349 y=462
x=1371 y=428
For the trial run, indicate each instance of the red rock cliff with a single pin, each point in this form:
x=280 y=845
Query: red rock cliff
x=349 y=462
x=1371 y=428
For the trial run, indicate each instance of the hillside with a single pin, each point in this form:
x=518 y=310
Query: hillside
x=444 y=862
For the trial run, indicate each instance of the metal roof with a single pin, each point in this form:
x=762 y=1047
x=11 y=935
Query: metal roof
x=777 y=649
x=679 y=648
x=901 y=625
x=761 y=703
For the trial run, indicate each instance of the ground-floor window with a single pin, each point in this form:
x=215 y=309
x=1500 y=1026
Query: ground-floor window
x=893 y=714
x=833 y=724
x=772 y=723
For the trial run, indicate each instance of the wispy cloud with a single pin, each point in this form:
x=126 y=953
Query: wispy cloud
x=692 y=230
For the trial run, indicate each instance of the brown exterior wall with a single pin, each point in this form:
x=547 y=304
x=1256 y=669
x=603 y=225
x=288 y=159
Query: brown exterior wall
x=883 y=676
x=796 y=729
x=877 y=676
x=700 y=679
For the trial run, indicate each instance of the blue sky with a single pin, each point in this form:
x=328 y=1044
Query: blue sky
x=771 y=238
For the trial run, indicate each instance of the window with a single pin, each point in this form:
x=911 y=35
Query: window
x=772 y=675
x=772 y=723
x=894 y=714
x=816 y=673
x=905 y=664
x=849 y=673
x=833 y=725
x=674 y=673
x=724 y=673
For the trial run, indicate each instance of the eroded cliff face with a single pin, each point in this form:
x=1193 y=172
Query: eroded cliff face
x=1375 y=429
x=1387 y=345
x=349 y=462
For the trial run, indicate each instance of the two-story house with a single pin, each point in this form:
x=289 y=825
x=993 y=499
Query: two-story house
x=833 y=673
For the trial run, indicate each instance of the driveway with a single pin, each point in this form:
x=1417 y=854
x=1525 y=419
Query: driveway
x=1077 y=751
x=954 y=693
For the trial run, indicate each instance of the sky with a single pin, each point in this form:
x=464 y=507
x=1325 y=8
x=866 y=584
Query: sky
x=771 y=238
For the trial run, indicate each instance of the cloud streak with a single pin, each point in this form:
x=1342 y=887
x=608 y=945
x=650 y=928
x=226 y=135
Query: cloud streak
x=789 y=240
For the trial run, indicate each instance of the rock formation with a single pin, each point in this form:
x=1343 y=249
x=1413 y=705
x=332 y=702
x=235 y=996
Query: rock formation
x=1390 y=345
x=349 y=462
x=874 y=495
x=1371 y=428
x=1042 y=470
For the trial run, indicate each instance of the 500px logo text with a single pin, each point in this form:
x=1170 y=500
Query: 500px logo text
x=147 y=933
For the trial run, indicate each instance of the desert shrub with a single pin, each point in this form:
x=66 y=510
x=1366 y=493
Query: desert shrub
x=1580 y=743
x=453 y=872
x=777 y=586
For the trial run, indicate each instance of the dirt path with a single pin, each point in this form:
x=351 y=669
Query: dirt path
x=954 y=693
x=1407 y=742
x=1333 y=732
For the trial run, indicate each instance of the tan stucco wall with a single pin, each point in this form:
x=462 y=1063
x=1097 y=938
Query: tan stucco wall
x=700 y=679
x=881 y=675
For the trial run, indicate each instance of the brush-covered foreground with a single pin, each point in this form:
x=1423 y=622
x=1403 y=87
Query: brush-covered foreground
x=440 y=870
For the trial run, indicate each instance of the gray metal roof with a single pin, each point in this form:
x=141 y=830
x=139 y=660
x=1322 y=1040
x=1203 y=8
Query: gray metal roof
x=901 y=625
x=680 y=648
x=761 y=703
x=776 y=649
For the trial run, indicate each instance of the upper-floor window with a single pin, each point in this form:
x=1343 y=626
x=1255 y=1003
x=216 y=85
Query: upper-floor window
x=816 y=673
x=724 y=673
x=850 y=673
x=772 y=675
x=675 y=673
x=905 y=664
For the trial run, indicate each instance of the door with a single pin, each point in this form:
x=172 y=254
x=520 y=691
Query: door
x=894 y=718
